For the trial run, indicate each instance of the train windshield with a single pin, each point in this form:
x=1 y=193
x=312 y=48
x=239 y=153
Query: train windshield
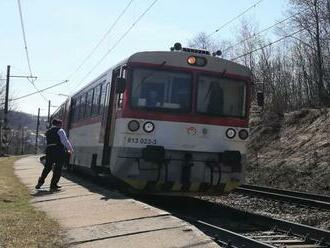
x=161 y=90
x=221 y=96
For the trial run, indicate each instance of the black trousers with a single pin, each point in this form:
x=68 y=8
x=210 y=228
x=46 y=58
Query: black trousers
x=54 y=157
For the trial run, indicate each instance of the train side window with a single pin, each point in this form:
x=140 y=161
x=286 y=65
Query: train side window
x=89 y=101
x=107 y=95
x=73 y=106
x=103 y=100
x=96 y=100
x=78 y=108
x=120 y=72
x=73 y=109
x=120 y=100
x=82 y=107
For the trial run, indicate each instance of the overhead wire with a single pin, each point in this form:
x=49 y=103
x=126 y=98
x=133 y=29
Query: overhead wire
x=233 y=19
x=118 y=41
x=36 y=92
x=269 y=44
x=24 y=37
x=26 y=49
x=102 y=39
x=260 y=32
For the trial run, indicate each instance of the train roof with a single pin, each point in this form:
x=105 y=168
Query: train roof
x=179 y=59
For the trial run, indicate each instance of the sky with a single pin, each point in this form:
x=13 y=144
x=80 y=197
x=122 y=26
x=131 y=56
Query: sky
x=60 y=34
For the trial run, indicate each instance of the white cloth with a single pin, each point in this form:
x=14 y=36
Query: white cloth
x=64 y=140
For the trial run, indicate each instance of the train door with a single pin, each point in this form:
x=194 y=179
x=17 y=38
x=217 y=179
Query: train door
x=108 y=117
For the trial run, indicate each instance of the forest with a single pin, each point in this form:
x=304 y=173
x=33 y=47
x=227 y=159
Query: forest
x=291 y=67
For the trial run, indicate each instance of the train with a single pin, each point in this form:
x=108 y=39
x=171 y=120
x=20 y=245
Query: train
x=163 y=122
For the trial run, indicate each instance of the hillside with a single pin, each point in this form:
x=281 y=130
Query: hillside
x=18 y=120
x=291 y=151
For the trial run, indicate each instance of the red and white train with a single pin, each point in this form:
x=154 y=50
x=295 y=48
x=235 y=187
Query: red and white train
x=164 y=122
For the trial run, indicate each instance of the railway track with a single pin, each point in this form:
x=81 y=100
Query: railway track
x=231 y=227
x=311 y=200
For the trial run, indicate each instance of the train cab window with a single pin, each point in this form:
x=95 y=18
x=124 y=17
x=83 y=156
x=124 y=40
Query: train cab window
x=221 y=96
x=161 y=90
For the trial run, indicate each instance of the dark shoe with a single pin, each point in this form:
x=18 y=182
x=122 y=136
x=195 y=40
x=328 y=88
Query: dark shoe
x=38 y=186
x=55 y=187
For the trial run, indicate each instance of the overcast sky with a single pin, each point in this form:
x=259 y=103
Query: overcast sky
x=61 y=33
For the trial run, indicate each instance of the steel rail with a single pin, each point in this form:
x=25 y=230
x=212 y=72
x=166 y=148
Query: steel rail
x=271 y=240
x=317 y=201
x=204 y=214
x=316 y=197
x=303 y=231
x=227 y=237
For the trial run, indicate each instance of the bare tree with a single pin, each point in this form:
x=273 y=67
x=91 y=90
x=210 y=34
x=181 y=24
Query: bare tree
x=203 y=41
x=295 y=72
x=313 y=17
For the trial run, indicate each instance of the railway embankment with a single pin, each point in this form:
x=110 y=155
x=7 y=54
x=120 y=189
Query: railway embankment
x=291 y=151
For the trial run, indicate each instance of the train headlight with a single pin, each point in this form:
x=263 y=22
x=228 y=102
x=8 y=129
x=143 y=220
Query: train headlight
x=133 y=125
x=191 y=60
x=230 y=133
x=196 y=61
x=148 y=127
x=243 y=134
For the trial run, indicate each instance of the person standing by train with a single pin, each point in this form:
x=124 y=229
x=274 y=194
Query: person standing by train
x=57 y=146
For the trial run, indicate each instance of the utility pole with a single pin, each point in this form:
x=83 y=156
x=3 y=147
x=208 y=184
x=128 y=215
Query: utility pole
x=4 y=135
x=22 y=140
x=37 y=132
x=7 y=93
x=1 y=137
x=4 y=128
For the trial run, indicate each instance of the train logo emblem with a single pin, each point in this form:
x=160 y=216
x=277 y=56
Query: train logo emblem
x=191 y=131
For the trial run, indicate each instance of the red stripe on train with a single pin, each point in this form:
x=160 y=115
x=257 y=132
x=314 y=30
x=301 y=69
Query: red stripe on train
x=197 y=119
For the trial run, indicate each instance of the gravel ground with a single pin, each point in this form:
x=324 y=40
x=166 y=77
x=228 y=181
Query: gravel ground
x=287 y=211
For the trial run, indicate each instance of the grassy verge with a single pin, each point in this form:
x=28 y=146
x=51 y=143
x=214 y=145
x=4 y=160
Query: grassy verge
x=21 y=225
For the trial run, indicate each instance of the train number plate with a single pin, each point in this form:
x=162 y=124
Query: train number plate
x=144 y=141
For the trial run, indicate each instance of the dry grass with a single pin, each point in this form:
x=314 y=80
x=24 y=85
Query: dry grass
x=21 y=225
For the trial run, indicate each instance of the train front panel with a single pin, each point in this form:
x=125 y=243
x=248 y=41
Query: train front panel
x=177 y=157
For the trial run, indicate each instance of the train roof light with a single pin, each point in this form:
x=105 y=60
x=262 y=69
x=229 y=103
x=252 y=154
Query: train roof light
x=191 y=60
x=177 y=46
x=217 y=53
x=196 y=61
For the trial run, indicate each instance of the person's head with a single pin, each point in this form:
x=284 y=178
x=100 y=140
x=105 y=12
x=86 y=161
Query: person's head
x=57 y=122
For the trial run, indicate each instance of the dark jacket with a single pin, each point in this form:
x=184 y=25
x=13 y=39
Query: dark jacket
x=53 y=140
